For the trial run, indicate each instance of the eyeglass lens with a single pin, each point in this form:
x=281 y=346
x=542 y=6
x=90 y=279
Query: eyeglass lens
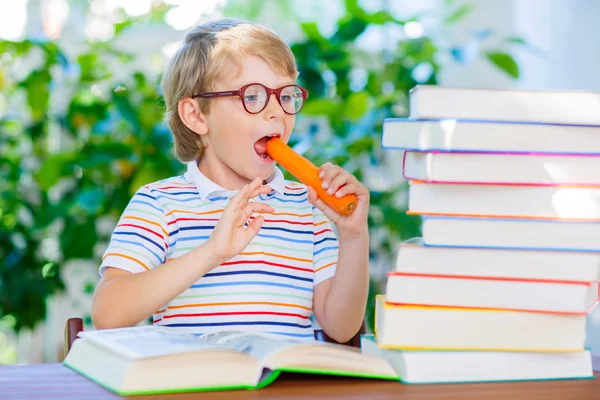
x=255 y=98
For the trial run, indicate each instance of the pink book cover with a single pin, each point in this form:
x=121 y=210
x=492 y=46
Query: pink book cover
x=564 y=184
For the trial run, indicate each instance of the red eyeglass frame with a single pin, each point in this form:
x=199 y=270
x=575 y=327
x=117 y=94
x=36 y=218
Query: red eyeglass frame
x=240 y=93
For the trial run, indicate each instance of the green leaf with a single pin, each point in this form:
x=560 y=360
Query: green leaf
x=364 y=144
x=78 y=238
x=308 y=54
x=54 y=54
x=352 y=6
x=459 y=14
x=53 y=168
x=505 y=62
x=48 y=270
x=89 y=287
x=337 y=59
x=311 y=29
x=356 y=105
x=515 y=40
x=37 y=86
x=100 y=154
x=126 y=109
x=46 y=212
x=349 y=30
x=86 y=64
x=380 y=18
x=149 y=114
x=92 y=68
x=322 y=106
x=121 y=26
x=87 y=109
x=19 y=48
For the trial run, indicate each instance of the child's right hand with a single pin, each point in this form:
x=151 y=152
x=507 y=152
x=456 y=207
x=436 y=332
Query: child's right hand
x=229 y=236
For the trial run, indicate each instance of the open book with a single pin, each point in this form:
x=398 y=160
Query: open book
x=152 y=359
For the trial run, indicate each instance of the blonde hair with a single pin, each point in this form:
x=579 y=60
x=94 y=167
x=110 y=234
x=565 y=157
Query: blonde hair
x=202 y=58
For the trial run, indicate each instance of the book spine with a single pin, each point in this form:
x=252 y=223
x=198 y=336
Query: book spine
x=404 y=166
x=417 y=118
x=389 y=304
x=506 y=217
x=492 y=278
x=502 y=218
x=587 y=185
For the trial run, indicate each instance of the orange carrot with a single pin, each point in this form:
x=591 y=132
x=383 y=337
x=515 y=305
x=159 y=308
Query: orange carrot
x=307 y=173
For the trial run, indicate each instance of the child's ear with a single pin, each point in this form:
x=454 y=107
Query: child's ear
x=192 y=117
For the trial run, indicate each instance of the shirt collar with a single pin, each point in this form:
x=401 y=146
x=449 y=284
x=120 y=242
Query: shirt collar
x=206 y=187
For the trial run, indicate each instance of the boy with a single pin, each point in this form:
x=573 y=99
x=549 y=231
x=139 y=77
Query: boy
x=230 y=245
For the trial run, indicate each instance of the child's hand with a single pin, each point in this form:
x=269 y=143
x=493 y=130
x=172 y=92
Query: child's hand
x=339 y=182
x=230 y=236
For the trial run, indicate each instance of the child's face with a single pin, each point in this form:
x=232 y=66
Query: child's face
x=234 y=135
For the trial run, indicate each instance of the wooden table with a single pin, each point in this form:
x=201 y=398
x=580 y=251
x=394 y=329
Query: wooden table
x=55 y=381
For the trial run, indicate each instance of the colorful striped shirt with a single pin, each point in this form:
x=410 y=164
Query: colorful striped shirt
x=268 y=287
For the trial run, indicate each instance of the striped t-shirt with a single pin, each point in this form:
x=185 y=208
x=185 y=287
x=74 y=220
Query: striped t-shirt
x=268 y=287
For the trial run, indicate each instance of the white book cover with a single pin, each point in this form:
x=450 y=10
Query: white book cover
x=573 y=297
x=429 y=367
x=511 y=233
x=501 y=169
x=412 y=327
x=414 y=257
x=479 y=136
x=548 y=106
x=549 y=202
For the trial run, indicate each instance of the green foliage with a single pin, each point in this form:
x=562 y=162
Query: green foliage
x=505 y=62
x=459 y=14
x=65 y=168
x=112 y=141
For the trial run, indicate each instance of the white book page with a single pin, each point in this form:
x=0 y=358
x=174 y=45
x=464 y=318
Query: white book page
x=152 y=341
x=256 y=344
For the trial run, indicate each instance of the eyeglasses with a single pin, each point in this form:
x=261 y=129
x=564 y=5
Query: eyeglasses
x=256 y=96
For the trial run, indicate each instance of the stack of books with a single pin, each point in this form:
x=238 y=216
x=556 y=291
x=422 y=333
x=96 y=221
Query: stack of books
x=499 y=285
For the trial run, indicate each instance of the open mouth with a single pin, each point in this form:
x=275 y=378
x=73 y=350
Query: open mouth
x=260 y=146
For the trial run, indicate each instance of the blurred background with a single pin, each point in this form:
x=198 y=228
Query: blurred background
x=81 y=117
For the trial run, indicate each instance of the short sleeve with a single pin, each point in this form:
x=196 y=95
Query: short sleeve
x=325 y=249
x=139 y=241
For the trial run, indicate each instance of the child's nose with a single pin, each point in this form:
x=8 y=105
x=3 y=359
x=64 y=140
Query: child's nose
x=273 y=109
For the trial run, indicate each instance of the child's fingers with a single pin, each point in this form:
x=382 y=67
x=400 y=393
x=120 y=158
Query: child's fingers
x=253 y=228
x=235 y=202
x=314 y=199
x=347 y=189
x=241 y=198
x=330 y=173
x=323 y=168
x=312 y=194
x=260 y=190
x=339 y=181
x=254 y=186
x=253 y=207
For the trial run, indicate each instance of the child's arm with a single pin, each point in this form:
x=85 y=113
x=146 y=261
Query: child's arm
x=123 y=298
x=340 y=302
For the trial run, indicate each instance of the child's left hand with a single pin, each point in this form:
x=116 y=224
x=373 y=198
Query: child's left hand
x=339 y=182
